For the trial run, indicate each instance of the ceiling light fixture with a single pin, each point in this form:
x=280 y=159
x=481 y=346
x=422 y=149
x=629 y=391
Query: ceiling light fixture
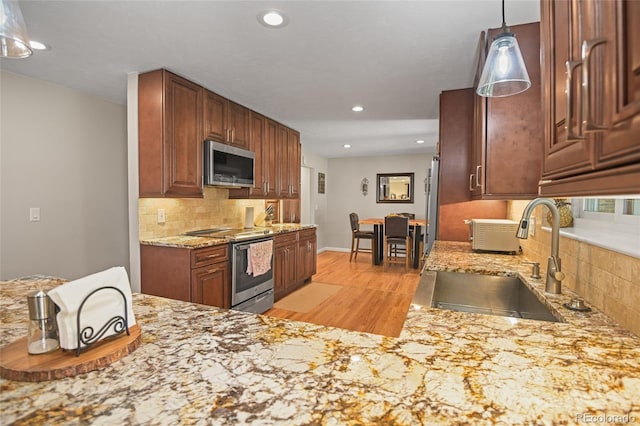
x=419 y=141
x=504 y=72
x=357 y=108
x=273 y=18
x=14 y=41
x=346 y=145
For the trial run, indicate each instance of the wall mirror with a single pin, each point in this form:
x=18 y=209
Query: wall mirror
x=394 y=188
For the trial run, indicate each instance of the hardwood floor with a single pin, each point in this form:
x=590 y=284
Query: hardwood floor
x=373 y=299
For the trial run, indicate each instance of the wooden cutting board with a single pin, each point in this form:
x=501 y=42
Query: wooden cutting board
x=17 y=364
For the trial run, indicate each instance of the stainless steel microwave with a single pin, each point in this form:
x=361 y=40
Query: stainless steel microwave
x=225 y=165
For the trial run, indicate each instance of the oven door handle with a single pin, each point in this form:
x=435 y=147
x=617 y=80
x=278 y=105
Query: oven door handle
x=246 y=246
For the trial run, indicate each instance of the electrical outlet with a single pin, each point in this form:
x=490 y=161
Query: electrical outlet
x=161 y=216
x=532 y=226
x=34 y=214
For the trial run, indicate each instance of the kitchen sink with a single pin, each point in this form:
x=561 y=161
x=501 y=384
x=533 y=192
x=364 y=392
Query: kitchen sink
x=482 y=294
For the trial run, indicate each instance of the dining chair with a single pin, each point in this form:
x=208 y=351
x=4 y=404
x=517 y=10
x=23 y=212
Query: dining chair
x=397 y=239
x=409 y=215
x=357 y=235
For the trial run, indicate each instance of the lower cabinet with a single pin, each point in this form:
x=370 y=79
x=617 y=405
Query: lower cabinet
x=192 y=275
x=294 y=260
x=306 y=259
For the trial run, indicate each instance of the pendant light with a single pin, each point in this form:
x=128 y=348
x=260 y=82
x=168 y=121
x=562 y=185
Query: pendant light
x=504 y=72
x=14 y=41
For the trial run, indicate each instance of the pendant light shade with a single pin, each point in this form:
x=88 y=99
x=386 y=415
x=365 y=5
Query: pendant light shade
x=14 y=41
x=504 y=72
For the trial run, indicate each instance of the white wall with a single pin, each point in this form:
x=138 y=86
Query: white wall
x=344 y=195
x=317 y=202
x=66 y=153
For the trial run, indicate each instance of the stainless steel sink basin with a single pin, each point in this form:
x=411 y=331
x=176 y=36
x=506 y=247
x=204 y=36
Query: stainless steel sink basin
x=482 y=294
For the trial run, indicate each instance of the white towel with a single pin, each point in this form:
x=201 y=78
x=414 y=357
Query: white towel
x=99 y=308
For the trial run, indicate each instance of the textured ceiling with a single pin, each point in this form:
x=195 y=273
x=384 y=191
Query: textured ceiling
x=393 y=57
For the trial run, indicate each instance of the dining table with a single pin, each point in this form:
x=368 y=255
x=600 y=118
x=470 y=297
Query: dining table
x=377 y=249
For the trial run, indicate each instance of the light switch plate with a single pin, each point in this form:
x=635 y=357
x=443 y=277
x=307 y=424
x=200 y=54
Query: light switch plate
x=34 y=214
x=161 y=216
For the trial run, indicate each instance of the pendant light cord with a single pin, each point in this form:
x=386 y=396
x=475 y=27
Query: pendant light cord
x=505 y=29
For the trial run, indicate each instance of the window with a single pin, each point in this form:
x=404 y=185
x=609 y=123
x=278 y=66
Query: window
x=612 y=223
x=615 y=210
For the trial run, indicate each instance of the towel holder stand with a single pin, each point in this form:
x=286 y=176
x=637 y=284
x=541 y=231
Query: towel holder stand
x=118 y=323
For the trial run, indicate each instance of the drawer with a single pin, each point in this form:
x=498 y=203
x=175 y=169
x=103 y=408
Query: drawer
x=308 y=234
x=209 y=255
x=285 y=239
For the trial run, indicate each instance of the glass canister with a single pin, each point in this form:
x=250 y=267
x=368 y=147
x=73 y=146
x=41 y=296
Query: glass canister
x=43 y=330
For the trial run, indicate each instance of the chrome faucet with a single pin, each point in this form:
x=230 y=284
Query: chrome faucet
x=554 y=272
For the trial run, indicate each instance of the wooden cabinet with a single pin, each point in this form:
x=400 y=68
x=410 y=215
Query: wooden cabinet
x=175 y=116
x=192 y=275
x=306 y=259
x=454 y=147
x=508 y=134
x=294 y=162
x=591 y=69
x=288 y=162
x=284 y=269
x=454 y=196
x=278 y=157
x=170 y=135
x=225 y=121
x=295 y=255
x=291 y=210
x=262 y=138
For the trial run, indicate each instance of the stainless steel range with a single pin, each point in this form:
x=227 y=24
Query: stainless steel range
x=251 y=285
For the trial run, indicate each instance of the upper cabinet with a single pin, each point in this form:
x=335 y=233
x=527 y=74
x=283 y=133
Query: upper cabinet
x=287 y=162
x=591 y=69
x=176 y=115
x=170 y=135
x=226 y=121
x=507 y=140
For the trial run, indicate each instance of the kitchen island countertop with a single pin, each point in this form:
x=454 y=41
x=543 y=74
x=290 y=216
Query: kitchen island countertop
x=199 y=364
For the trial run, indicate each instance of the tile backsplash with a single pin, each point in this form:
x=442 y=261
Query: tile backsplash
x=608 y=280
x=188 y=214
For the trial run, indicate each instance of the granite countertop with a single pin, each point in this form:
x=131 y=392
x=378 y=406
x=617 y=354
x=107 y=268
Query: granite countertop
x=199 y=364
x=186 y=241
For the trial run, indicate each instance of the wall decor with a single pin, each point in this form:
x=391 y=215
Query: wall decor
x=321 y=180
x=364 y=186
x=394 y=188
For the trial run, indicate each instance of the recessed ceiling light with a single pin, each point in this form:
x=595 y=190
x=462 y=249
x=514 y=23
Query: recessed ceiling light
x=36 y=45
x=357 y=108
x=272 y=18
x=347 y=145
x=419 y=141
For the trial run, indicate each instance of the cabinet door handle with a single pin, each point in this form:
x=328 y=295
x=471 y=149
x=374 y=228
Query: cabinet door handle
x=471 y=182
x=588 y=126
x=478 y=168
x=211 y=271
x=213 y=255
x=233 y=134
x=571 y=66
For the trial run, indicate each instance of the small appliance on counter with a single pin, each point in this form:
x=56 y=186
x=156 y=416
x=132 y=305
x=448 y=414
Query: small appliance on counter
x=43 y=330
x=497 y=235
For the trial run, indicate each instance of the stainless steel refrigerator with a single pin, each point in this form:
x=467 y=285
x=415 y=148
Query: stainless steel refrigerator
x=431 y=188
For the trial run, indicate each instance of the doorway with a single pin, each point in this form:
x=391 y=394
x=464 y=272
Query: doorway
x=306 y=195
